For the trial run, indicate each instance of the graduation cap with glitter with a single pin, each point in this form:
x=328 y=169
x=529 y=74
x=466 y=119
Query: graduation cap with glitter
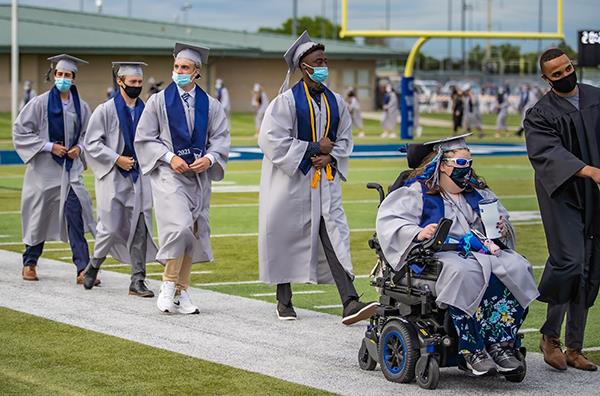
x=66 y=62
x=128 y=68
x=292 y=56
x=197 y=54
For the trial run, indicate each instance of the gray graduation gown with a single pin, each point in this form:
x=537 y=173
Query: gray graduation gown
x=289 y=248
x=261 y=108
x=463 y=281
x=119 y=201
x=391 y=113
x=181 y=202
x=46 y=183
x=354 y=108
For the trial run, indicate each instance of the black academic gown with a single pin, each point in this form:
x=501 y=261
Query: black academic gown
x=560 y=141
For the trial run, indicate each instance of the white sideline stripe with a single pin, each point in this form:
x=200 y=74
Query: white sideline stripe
x=591 y=349
x=193 y=273
x=529 y=330
x=296 y=292
x=327 y=306
x=256 y=282
x=537 y=266
x=348 y=201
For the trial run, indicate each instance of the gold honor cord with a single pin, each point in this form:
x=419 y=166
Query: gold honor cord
x=328 y=170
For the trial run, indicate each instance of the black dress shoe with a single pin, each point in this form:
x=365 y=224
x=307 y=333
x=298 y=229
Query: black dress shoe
x=285 y=312
x=90 y=276
x=356 y=311
x=139 y=288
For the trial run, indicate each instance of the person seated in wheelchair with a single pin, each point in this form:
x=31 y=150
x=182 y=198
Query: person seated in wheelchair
x=484 y=283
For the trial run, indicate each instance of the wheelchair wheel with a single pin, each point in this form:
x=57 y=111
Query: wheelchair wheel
x=519 y=376
x=365 y=361
x=427 y=372
x=398 y=351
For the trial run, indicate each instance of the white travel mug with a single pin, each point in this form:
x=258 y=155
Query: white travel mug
x=490 y=217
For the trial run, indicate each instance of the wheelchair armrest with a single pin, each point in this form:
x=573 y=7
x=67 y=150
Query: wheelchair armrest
x=441 y=233
x=379 y=188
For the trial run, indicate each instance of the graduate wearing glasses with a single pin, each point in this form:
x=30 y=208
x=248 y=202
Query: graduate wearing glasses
x=123 y=194
x=306 y=138
x=48 y=136
x=182 y=143
x=486 y=286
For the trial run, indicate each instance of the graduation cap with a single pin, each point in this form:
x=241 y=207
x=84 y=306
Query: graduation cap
x=66 y=62
x=416 y=152
x=198 y=55
x=129 y=68
x=292 y=56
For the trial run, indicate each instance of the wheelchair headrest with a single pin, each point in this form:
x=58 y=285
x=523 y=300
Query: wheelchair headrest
x=416 y=153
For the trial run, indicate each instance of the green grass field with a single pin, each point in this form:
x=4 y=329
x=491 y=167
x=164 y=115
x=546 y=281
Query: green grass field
x=234 y=223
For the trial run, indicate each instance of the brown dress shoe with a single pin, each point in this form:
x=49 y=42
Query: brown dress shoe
x=553 y=354
x=578 y=360
x=29 y=273
x=79 y=279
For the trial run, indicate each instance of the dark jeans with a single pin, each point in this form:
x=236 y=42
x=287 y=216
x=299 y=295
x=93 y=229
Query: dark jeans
x=75 y=230
x=576 y=319
x=340 y=276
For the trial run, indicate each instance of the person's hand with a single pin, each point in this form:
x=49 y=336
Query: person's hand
x=319 y=161
x=590 y=172
x=59 y=150
x=325 y=145
x=125 y=163
x=596 y=175
x=74 y=152
x=179 y=165
x=200 y=165
x=427 y=232
x=502 y=227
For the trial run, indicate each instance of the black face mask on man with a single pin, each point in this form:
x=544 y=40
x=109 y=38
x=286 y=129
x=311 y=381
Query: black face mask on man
x=461 y=176
x=565 y=84
x=132 y=92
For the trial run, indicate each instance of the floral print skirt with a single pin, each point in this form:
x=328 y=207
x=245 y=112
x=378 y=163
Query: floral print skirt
x=496 y=320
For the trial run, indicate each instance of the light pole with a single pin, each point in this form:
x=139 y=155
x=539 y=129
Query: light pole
x=540 y=15
x=450 y=28
x=184 y=9
x=295 y=18
x=14 y=55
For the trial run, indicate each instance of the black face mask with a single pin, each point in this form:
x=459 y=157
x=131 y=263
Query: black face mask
x=132 y=92
x=461 y=176
x=565 y=84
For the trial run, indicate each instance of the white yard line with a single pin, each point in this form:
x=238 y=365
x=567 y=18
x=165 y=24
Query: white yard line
x=193 y=273
x=328 y=306
x=256 y=282
x=296 y=292
x=591 y=349
x=529 y=330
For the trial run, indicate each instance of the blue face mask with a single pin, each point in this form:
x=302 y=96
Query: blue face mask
x=182 y=79
x=319 y=74
x=63 y=84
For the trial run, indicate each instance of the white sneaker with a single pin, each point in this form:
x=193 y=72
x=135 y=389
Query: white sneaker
x=165 y=297
x=384 y=135
x=185 y=305
x=361 y=135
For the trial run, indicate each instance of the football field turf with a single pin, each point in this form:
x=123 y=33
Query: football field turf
x=234 y=222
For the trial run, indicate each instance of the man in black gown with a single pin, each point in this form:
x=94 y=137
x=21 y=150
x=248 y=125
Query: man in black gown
x=563 y=144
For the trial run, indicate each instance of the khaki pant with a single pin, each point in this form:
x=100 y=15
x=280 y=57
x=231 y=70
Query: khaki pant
x=179 y=270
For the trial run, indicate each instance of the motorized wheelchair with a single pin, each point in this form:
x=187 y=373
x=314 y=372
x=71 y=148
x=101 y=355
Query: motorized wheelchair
x=410 y=336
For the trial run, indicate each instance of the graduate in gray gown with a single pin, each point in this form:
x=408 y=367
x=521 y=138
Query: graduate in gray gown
x=486 y=288
x=306 y=138
x=260 y=101
x=391 y=111
x=182 y=143
x=48 y=136
x=123 y=195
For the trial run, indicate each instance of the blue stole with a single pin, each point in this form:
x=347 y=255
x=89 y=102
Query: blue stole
x=56 y=123
x=185 y=145
x=304 y=122
x=433 y=205
x=128 y=127
x=387 y=97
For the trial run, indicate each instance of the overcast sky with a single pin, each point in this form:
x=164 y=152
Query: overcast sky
x=249 y=15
